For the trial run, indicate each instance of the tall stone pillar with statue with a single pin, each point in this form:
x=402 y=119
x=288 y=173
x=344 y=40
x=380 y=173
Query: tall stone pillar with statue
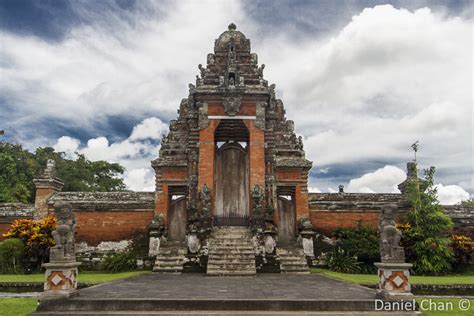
x=393 y=272
x=62 y=269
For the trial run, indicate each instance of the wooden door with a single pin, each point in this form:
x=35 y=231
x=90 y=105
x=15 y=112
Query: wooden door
x=231 y=183
x=177 y=219
x=286 y=214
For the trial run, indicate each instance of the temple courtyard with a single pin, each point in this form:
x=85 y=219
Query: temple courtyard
x=310 y=294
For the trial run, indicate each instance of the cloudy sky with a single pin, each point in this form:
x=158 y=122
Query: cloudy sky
x=362 y=80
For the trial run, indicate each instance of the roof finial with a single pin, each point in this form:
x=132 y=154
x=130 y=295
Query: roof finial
x=232 y=27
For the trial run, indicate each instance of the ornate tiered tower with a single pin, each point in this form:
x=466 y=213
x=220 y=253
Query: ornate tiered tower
x=231 y=156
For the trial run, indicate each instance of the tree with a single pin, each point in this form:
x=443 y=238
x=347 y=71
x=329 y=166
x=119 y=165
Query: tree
x=427 y=240
x=18 y=168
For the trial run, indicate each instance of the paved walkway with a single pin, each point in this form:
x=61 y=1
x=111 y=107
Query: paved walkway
x=197 y=286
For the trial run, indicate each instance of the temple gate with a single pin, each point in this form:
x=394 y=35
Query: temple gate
x=231 y=144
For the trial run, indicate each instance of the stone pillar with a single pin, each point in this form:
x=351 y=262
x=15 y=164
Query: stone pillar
x=62 y=269
x=46 y=185
x=394 y=281
x=393 y=272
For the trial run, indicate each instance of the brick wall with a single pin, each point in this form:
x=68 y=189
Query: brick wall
x=96 y=226
x=327 y=221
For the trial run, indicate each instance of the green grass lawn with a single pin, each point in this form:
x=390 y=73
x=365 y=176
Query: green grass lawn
x=84 y=277
x=370 y=278
x=17 y=306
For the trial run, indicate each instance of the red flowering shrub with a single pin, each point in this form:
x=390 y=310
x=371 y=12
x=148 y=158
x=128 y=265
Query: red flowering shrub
x=36 y=235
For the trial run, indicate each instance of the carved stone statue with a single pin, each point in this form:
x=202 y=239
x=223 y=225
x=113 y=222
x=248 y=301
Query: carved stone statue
x=260 y=71
x=390 y=236
x=64 y=251
x=300 y=143
x=202 y=70
x=257 y=197
x=270 y=244
x=206 y=201
x=50 y=169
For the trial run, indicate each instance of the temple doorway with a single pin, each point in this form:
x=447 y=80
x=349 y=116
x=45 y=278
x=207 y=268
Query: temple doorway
x=231 y=174
x=177 y=213
x=286 y=215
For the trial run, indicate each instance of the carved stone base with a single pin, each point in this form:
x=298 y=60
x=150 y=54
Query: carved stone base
x=61 y=280
x=394 y=282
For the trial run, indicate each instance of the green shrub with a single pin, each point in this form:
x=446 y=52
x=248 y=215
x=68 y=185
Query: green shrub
x=340 y=261
x=118 y=262
x=12 y=252
x=362 y=243
x=427 y=242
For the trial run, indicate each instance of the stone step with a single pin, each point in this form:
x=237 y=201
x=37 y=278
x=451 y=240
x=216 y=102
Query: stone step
x=285 y=306
x=226 y=313
x=231 y=259
x=235 y=273
x=225 y=247
x=231 y=266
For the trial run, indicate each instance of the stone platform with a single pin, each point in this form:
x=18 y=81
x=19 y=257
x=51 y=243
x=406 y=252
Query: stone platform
x=196 y=294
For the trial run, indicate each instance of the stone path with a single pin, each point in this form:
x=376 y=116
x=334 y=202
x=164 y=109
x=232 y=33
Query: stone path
x=197 y=286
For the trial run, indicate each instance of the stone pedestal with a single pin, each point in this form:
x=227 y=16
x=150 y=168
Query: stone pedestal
x=394 y=282
x=61 y=280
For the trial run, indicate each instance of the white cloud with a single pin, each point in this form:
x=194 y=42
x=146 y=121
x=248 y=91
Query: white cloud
x=134 y=153
x=383 y=180
x=364 y=92
x=386 y=179
x=150 y=128
x=140 y=179
x=68 y=145
x=451 y=194
x=314 y=190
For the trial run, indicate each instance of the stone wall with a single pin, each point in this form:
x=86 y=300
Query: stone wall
x=9 y=212
x=463 y=218
x=108 y=216
x=329 y=211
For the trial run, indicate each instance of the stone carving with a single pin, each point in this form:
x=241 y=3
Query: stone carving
x=206 y=201
x=257 y=197
x=194 y=244
x=64 y=251
x=270 y=244
x=192 y=88
x=221 y=80
x=390 y=236
x=50 y=169
x=260 y=71
x=202 y=70
x=260 y=115
x=308 y=246
x=203 y=118
x=254 y=58
x=154 y=246
x=300 y=143
x=210 y=59
x=232 y=105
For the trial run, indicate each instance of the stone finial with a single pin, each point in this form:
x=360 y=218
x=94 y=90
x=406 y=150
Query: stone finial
x=232 y=27
x=64 y=251
x=50 y=169
x=390 y=236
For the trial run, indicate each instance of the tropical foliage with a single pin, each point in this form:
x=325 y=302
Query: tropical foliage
x=427 y=238
x=12 y=252
x=18 y=168
x=361 y=243
x=36 y=236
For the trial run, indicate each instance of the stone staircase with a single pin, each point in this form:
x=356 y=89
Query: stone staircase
x=292 y=260
x=170 y=258
x=231 y=252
